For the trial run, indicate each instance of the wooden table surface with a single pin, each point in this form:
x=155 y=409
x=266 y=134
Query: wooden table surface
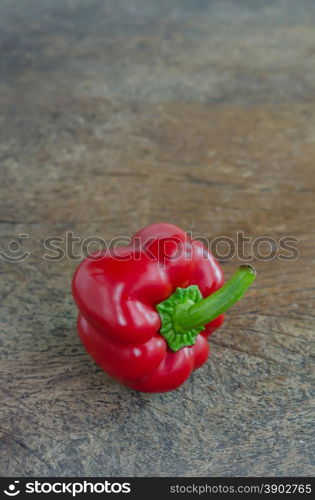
x=116 y=114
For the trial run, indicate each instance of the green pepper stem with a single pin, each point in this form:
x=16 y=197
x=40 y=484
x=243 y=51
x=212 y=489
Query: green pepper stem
x=217 y=303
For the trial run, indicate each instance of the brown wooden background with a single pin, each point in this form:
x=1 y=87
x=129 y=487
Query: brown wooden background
x=115 y=114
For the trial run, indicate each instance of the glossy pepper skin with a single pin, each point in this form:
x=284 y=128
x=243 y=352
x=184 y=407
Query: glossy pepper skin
x=118 y=292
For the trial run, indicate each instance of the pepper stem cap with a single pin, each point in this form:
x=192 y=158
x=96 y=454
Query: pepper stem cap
x=185 y=313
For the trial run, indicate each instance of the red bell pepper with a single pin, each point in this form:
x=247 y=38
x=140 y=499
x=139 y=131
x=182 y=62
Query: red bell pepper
x=146 y=309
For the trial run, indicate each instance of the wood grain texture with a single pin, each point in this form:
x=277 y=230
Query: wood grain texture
x=115 y=114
